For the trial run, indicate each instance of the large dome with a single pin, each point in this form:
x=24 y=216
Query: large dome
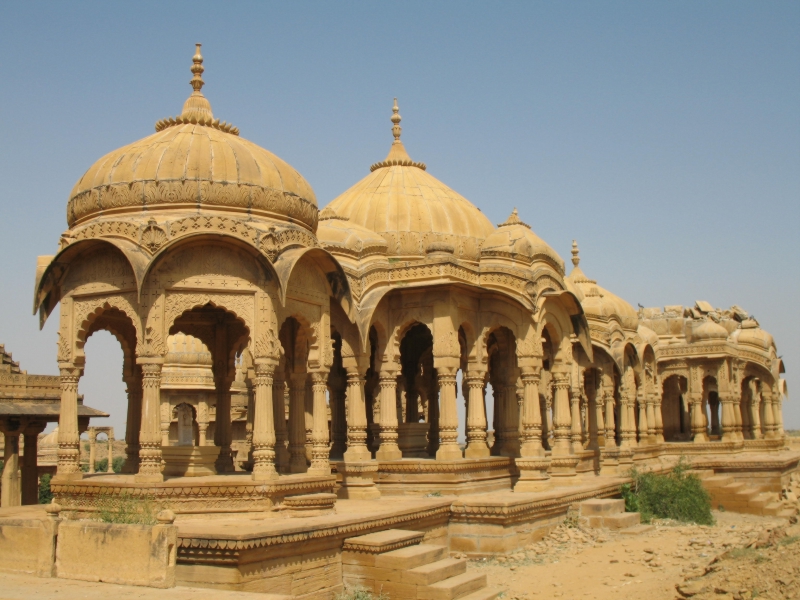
x=411 y=209
x=193 y=161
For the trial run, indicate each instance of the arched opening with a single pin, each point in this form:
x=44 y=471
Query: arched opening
x=337 y=399
x=371 y=398
x=546 y=390
x=213 y=330
x=711 y=408
x=417 y=394
x=674 y=410
x=295 y=336
x=503 y=376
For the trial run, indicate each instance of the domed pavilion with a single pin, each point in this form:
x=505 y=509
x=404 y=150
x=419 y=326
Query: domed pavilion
x=272 y=349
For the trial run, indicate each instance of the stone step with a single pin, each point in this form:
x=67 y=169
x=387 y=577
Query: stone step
x=622 y=521
x=484 y=594
x=717 y=481
x=383 y=541
x=411 y=557
x=601 y=507
x=453 y=587
x=435 y=571
x=636 y=529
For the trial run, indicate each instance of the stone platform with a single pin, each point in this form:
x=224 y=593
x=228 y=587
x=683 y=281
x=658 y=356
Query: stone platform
x=420 y=476
x=190 y=497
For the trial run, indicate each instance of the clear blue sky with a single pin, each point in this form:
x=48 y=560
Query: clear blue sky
x=663 y=136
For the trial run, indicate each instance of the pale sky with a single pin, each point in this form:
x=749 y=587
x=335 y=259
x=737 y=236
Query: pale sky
x=663 y=136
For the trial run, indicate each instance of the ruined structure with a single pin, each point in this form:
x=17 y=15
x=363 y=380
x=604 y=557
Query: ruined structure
x=350 y=335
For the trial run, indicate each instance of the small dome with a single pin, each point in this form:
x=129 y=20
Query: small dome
x=411 y=209
x=753 y=336
x=514 y=240
x=193 y=161
x=183 y=349
x=707 y=330
x=598 y=302
x=341 y=237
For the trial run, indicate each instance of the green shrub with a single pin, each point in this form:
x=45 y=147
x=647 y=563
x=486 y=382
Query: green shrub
x=101 y=465
x=675 y=495
x=127 y=509
x=45 y=495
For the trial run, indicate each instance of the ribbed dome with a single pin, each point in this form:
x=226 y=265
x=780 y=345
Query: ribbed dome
x=598 y=302
x=514 y=240
x=411 y=209
x=343 y=238
x=193 y=161
x=708 y=330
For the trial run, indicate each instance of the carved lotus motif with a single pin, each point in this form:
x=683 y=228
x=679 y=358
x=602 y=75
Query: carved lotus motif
x=153 y=237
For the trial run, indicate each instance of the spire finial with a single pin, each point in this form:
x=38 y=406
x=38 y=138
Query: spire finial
x=513 y=219
x=575 y=258
x=197 y=69
x=396 y=129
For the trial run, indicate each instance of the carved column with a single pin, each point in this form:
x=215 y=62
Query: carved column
x=608 y=397
x=643 y=422
x=69 y=455
x=769 y=414
x=561 y=413
x=150 y=434
x=657 y=399
x=531 y=414
x=10 y=485
x=30 y=474
x=282 y=459
x=754 y=406
x=297 y=423
x=308 y=402
x=575 y=418
x=728 y=419
x=594 y=413
x=476 y=415
x=263 y=422
x=389 y=450
x=777 y=410
x=651 y=417
x=356 y=417
x=448 y=416
x=133 y=383
x=166 y=419
x=320 y=449
x=222 y=424
x=202 y=421
x=110 y=466
x=92 y=450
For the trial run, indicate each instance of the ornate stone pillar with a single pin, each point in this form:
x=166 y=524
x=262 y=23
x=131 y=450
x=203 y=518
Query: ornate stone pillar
x=202 y=421
x=282 y=459
x=698 y=421
x=531 y=414
x=626 y=413
x=755 y=412
x=595 y=413
x=69 y=455
x=728 y=419
x=110 y=466
x=659 y=426
x=448 y=416
x=769 y=415
x=561 y=413
x=150 y=434
x=777 y=410
x=320 y=449
x=575 y=419
x=133 y=384
x=11 y=489
x=389 y=450
x=297 y=423
x=356 y=417
x=166 y=418
x=651 y=417
x=476 y=415
x=92 y=450
x=263 y=422
x=222 y=425
x=643 y=422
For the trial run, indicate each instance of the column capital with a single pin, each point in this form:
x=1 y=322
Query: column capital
x=265 y=367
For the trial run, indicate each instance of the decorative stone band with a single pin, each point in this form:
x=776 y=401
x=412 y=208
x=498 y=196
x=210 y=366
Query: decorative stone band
x=461 y=466
x=190 y=194
x=324 y=501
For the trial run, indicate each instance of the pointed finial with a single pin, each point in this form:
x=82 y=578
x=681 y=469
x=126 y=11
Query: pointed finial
x=513 y=219
x=396 y=129
x=197 y=69
x=575 y=258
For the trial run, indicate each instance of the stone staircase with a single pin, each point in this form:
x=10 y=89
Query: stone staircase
x=610 y=514
x=736 y=496
x=396 y=563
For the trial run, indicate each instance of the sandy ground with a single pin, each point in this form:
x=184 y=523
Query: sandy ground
x=739 y=558
x=670 y=561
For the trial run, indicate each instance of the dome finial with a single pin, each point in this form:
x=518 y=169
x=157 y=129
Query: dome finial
x=513 y=219
x=197 y=69
x=396 y=118
x=575 y=258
